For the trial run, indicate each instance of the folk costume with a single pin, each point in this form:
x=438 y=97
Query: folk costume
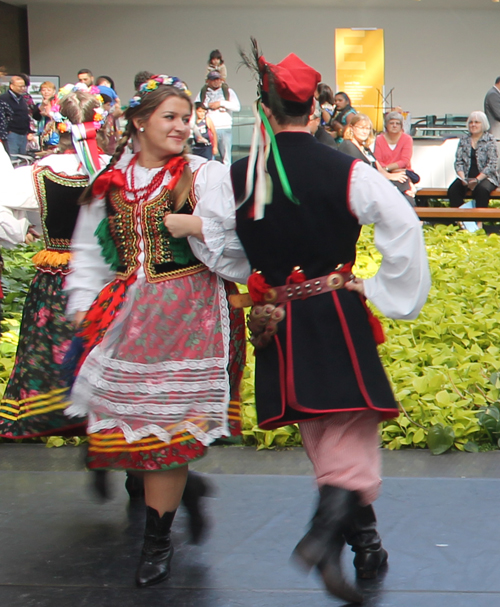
x=34 y=400
x=163 y=354
x=301 y=207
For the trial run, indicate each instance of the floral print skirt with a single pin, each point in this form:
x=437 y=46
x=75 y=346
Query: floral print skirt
x=154 y=387
x=33 y=403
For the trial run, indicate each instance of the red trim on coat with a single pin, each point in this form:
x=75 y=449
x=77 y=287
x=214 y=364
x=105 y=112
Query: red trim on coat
x=291 y=396
x=281 y=362
x=352 y=353
x=383 y=416
x=348 y=194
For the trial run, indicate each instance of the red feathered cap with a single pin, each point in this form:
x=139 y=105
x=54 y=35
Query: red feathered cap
x=294 y=80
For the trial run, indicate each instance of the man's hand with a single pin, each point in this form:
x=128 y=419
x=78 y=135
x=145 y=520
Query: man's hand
x=215 y=105
x=356 y=284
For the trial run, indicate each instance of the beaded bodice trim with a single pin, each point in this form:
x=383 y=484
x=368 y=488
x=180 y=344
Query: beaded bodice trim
x=160 y=261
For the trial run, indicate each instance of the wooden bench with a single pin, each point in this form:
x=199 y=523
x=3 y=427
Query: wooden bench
x=488 y=214
x=427 y=193
x=481 y=214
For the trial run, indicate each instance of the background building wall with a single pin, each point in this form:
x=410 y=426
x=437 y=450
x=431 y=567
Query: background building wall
x=438 y=61
x=14 y=51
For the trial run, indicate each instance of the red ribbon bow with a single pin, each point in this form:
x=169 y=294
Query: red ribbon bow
x=103 y=183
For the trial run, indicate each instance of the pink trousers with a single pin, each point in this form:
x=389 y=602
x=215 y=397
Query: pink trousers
x=344 y=449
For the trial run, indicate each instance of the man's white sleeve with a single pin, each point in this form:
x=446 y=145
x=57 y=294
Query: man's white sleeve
x=400 y=287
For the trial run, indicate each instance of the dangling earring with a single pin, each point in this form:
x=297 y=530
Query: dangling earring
x=141 y=130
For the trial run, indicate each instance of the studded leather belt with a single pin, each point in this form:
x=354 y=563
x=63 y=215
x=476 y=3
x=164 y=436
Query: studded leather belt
x=308 y=288
x=301 y=290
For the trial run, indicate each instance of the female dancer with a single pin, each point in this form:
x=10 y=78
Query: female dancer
x=32 y=404
x=155 y=381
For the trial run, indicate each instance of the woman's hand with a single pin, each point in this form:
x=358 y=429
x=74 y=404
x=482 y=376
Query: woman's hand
x=398 y=176
x=31 y=235
x=181 y=226
x=78 y=318
x=356 y=284
x=45 y=108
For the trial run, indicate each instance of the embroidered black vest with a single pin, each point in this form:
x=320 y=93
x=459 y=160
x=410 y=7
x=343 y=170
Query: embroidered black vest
x=323 y=358
x=57 y=195
x=319 y=233
x=165 y=257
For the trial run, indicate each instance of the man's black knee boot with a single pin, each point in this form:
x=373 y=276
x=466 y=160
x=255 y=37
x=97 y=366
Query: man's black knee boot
x=322 y=545
x=365 y=542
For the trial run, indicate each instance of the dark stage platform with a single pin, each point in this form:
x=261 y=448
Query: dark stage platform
x=59 y=548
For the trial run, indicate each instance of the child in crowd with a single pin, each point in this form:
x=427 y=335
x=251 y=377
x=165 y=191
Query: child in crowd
x=205 y=135
x=216 y=62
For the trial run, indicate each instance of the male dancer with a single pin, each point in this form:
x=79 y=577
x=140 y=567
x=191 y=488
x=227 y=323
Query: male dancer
x=300 y=207
x=321 y=368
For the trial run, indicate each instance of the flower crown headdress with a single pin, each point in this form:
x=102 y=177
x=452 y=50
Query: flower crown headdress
x=63 y=124
x=83 y=135
x=153 y=83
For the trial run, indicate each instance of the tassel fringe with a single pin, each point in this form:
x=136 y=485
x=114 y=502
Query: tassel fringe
x=53 y=259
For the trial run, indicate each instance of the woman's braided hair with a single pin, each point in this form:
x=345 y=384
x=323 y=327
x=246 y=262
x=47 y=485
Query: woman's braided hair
x=78 y=107
x=150 y=101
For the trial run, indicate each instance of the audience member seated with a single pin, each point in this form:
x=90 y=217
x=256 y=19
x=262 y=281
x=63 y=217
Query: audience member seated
x=394 y=148
x=475 y=163
x=324 y=96
x=319 y=131
x=358 y=137
x=343 y=115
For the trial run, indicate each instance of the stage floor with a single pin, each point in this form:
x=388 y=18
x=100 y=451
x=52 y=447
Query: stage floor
x=60 y=548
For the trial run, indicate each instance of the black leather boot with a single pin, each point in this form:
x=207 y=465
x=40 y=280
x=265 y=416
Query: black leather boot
x=365 y=542
x=157 y=551
x=100 y=485
x=322 y=545
x=196 y=488
x=134 y=486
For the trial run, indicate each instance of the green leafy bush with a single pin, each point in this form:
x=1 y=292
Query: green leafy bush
x=440 y=364
x=444 y=366
x=17 y=275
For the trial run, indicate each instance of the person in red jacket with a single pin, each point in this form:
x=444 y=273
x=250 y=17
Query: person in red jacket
x=394 y=148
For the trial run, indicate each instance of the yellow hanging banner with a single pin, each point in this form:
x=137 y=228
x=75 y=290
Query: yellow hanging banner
x=359 y=61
